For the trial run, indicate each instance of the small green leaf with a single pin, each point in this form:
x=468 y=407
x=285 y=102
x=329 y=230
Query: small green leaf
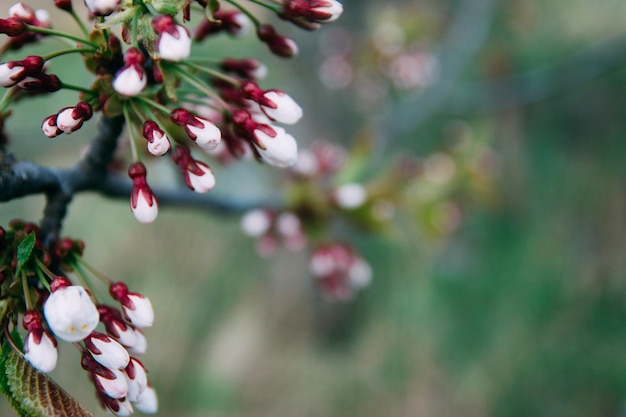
x=212 y=7
x=24 y=251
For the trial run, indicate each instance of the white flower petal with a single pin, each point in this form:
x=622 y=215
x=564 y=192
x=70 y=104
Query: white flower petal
x=42 y=356
x=287 y=111
x=142 y=315
x=148 y=402
x=173 y=49
x=70 y=313
x=281 y=151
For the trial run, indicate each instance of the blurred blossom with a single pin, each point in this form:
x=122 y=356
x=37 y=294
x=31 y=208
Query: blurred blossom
x=335 y=41
x=388 y=38
x=413 y=70
x=439 y=168
x=336 y=72
x=368 y=90
x=446 y=217
x=383 y=210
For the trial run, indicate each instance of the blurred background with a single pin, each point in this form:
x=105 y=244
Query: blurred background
x=513 y=306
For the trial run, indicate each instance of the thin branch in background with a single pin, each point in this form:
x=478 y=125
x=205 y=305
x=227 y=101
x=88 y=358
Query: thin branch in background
x=566 y=75
x=467 y=34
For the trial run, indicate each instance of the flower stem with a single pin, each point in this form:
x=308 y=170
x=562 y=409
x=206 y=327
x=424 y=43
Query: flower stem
x=6 y=99
x=212 y=72
x=52 y=32
x=77 y=88
x=246 y=12
x=84 y=279
x=42 y=279
x=27 y=300
x=65 y=52
x=79 y=22
x=200 y=85
x=155 y=105
x=133 y=134
x=42 y=267
x=93 y=270
x=275 y=9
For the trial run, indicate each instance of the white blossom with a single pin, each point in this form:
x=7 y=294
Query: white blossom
x=202 y=183
x=111 y=354
x=172 y=48
x=280 y=151
x=141 y=314
x=147 y=402
x=286 y=110
x=115 y=388
x=350 y=196
x=42 y=355
x=130 y=81
x=146 y=209
x=256 y=222
x=70 y=313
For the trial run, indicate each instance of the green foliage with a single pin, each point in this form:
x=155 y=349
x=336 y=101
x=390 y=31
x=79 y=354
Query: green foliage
x=24 y=251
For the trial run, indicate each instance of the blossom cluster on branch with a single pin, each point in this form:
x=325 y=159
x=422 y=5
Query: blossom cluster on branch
x=330 y=188
x=176 y=103
x=54 y=308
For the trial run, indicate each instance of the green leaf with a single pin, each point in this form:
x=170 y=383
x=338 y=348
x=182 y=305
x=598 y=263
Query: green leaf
x=212 y=7
x=32 y=393
x=24 y=251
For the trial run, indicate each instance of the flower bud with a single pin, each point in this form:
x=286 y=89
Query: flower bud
x=174 y=42
x=143 y=203
x=120 y=407
x=278 y=44
x=106 y=351
x=198 y=175
x=64 y=5
x=350 y=196
x=256 y=223
x=234 y=22
x=41 y=83
x=116 y=327
x=22 y=11
x=202 y=131
x=140 y=346
x=39 y=346
x=280 y=151
x=137 y=308
x=275 y=104
x=70 y=313
x=49 y=126
x=111 y=382
x=15 y=71
x=102 y=7
x=71 y=119
x=248 y=68
x=12 y=26
x=131 y=79
x=339 y=271
x=147 y=402
x=136 y=379
x=320 y=11
x=158 y=142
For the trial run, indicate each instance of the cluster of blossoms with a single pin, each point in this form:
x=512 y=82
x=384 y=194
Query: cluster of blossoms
x=323 y=195
x=53 y=308
x=173 y=103
x=338 y=270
